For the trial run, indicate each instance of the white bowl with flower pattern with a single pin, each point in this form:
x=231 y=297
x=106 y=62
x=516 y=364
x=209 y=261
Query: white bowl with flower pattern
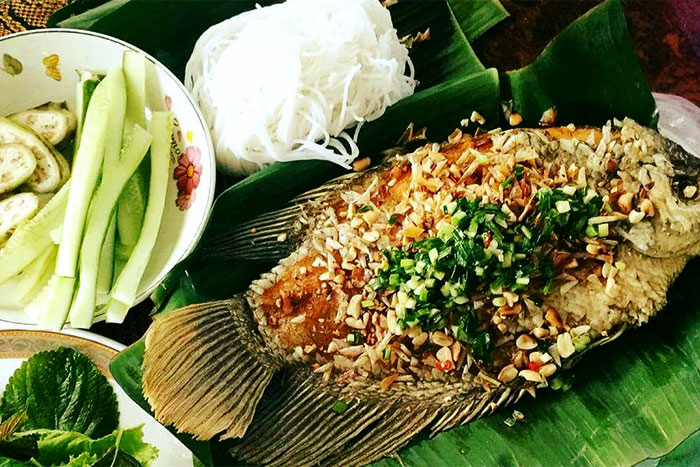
x=41 y=66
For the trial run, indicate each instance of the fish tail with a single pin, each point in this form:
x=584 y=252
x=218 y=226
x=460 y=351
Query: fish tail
x=205 y=368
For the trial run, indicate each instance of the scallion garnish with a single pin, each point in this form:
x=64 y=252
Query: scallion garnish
x=481 y=251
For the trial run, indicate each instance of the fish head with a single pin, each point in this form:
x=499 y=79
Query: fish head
x=669 y=178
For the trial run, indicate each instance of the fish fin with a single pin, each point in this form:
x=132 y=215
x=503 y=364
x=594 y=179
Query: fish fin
x=205 y=369
x=474 y=406
x=302 y=421
x=273 y=235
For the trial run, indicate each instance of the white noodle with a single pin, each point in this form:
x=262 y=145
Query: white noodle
x=285 y=82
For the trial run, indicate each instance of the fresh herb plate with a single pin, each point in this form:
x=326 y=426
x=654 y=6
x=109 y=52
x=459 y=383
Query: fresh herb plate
x=18 y=343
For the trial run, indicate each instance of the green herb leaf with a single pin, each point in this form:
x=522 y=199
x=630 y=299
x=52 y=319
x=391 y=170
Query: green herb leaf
x=61 y=390
x=57 y=447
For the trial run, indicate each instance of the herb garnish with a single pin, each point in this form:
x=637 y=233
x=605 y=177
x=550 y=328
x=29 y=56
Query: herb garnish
x=481 y=251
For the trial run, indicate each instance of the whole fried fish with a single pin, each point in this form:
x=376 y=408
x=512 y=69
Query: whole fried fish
x=428 y=291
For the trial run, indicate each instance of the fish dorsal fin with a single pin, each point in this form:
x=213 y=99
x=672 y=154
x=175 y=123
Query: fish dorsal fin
x=273 y=235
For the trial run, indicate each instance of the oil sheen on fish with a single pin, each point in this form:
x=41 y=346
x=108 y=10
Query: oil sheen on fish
x=426 y=292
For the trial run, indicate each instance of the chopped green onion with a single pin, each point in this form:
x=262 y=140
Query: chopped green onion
x=507 y=182
x=423 y=294
x=353 y=338
x=433 y=255
x=364 y=208
x=340 y=407
x=603 y=230
x=387 y=353
x=580 y=342
x=563 y=207
x=394 y=280
x=458 y=216
x=392 y=220
x=446 y=231
x=367 y=303
x=499 y=301
x=569 y=190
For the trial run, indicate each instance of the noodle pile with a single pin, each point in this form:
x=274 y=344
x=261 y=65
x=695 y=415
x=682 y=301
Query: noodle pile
x=284 y=82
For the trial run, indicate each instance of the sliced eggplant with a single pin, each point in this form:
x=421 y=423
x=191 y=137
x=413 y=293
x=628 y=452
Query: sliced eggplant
x=47 y=175
x=14 y=211
x=17 y=163
x=51 y=121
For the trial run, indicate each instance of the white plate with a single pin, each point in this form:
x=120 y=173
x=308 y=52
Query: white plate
x=18 y=343
x=38 y=83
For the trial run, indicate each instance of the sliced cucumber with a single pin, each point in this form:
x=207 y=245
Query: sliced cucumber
x=35 y=276
x=47 y=176
x=105 y=273
x=102 y=132
x=87 y=83
x=51 y=121
x=17 y=163
x=104 y=201
x=53 y=313
x=132 y=203
x=39 y=302
x=32 y=238
x=126 y=286
x=14 y=211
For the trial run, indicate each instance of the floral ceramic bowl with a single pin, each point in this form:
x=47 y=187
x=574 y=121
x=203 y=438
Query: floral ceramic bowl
x=41 y=66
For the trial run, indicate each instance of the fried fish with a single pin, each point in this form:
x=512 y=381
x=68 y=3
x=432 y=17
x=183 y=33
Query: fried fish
x=428 y=291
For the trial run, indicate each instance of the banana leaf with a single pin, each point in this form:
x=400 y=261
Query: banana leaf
x=477 y=16
x=589 y=73
x=174 y=27
x=167 y=30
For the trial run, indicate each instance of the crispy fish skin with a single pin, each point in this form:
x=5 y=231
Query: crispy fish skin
x=206 y=367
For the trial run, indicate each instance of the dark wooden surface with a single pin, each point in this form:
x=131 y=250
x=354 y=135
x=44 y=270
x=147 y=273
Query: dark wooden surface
x=666 y=34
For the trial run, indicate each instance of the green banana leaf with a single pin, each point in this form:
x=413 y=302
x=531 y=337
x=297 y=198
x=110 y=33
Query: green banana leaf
x=586 y=73
x=174 y=27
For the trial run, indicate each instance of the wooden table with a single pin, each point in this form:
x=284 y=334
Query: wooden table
x=666 y=34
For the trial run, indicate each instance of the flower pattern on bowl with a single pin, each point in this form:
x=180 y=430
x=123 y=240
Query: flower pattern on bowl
x=187 y=175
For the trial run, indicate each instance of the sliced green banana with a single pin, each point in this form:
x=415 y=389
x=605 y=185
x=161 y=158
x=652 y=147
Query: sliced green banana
x=17 y=163
x=48 y=174
x=51 y=121
x=14 y=211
